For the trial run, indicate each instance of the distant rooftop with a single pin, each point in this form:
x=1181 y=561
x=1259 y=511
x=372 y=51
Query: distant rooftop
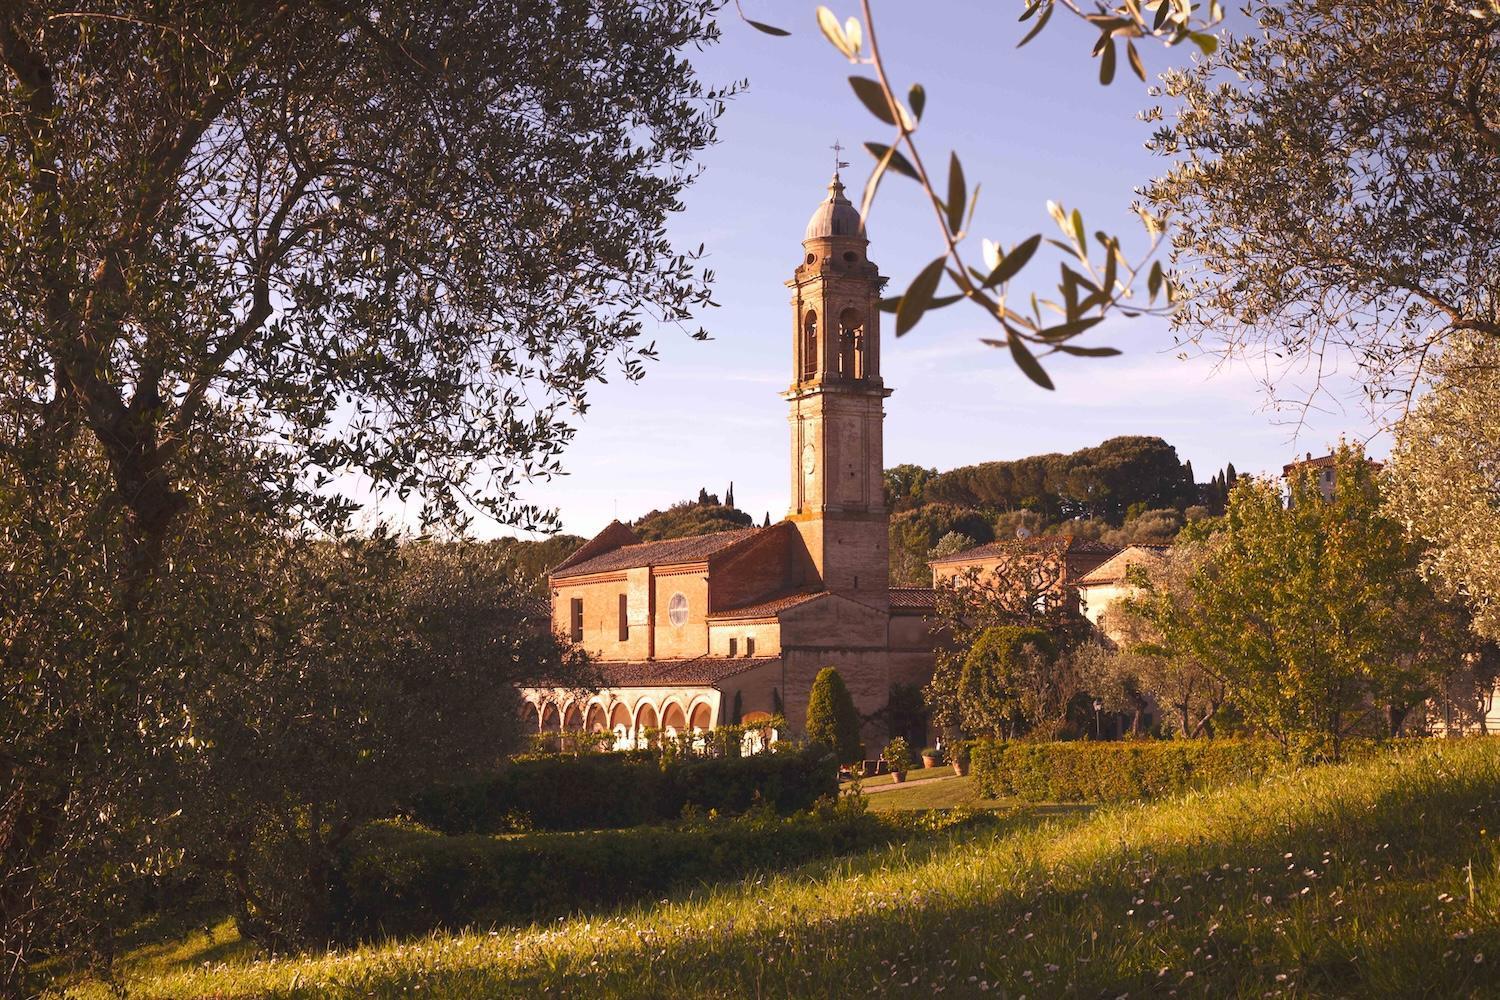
x=667 y=552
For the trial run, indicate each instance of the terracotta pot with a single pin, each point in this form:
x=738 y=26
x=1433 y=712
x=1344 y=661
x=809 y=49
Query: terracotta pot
x=929 y=761
x=960 y=767
x=898 y=776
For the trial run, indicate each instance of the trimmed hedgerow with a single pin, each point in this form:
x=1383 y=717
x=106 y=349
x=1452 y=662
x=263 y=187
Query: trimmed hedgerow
x=1088 y=771
x=616 y=790
x=400 y=879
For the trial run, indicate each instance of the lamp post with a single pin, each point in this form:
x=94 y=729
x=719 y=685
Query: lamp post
x=1097 y=705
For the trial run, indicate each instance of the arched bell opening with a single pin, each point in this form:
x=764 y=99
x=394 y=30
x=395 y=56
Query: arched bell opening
x=853 y=348
x=810 y=345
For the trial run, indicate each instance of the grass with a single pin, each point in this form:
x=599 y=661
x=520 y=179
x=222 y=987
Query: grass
x=1380 y=878
x=915 y=774
x=941 y=792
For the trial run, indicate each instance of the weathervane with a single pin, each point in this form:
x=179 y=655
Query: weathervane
x=837 y=163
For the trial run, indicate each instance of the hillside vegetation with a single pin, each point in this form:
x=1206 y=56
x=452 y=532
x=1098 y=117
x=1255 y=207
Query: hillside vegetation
x=1378 y=878
x=1131 y=489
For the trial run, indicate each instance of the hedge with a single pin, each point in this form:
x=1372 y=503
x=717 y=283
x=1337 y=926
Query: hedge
x=1089 y=771
x=400 y=879
x=614 y=790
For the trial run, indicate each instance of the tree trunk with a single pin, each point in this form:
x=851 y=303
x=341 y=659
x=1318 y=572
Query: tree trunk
x=1395 y=718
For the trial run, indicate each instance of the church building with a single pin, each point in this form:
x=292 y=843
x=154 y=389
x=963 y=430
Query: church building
x=692 y=633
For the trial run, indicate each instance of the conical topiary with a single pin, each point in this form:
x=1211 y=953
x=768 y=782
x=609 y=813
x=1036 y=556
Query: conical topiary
x=831 y=717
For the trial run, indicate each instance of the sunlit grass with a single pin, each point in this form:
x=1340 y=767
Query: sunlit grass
x=948 y=792
x=1377 y=878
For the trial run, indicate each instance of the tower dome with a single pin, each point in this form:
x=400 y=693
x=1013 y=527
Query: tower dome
x=834 y=216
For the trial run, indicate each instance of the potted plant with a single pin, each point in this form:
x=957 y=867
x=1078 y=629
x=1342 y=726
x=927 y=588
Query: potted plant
x=897 y=756
x=931 y=756
x=960 y=757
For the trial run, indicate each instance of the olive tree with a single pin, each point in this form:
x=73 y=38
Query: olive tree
x=1313 y=612
x=1026 y=588
x=253 y=255
x=1334 y=186
x=399 y=242
x=380 y=670
x=1442 y=482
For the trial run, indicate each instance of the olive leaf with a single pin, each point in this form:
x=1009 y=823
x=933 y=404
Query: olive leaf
x=872 y=97
x=958 y=193
x=1011 y=264
x=1025 y=360
x=769 y=29
x=898 y=163
x=918 y=296
x=828 y=23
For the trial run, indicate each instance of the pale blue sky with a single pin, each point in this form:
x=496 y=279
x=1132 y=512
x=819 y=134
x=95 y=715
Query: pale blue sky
x=1030 y=125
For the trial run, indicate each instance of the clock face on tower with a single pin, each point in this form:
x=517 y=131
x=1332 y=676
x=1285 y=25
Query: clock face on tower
x=809 y=460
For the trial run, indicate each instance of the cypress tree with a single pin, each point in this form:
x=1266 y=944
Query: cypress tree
x=831 y=717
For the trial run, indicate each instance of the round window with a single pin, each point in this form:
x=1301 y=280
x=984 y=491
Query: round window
x=811 y=257
x=677 y=609
x=851 y=256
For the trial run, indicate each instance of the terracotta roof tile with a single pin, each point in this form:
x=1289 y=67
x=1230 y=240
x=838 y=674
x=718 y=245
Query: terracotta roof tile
x=764 y=609
x=920 y=598
x=702 y=670
x=668 y=552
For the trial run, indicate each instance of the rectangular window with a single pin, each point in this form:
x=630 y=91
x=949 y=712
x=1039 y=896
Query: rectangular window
x=624 y=618
x=734 y=647
x=576 y=625
x=749 y=647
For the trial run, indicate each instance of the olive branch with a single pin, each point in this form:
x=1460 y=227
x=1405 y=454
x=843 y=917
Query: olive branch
x=1096 y=277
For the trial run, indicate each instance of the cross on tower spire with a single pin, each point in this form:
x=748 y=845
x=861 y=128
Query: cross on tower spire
x=837 y=163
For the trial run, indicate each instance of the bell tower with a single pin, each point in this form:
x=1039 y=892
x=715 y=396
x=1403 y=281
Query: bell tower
x=837 y=403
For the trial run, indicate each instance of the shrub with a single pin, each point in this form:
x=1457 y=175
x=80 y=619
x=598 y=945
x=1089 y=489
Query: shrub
x=831 y=716
x=998 y=683
x=401 y=879
x=897 y=755
x=1115 y=772
x=610 y=791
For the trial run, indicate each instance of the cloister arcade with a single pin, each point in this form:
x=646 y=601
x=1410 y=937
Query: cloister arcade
x=628 y=718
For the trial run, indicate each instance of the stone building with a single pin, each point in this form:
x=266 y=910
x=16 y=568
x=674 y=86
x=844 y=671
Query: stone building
x=733 y=626
x=1324 y=467
x=1052 y=562
x=1109 y=582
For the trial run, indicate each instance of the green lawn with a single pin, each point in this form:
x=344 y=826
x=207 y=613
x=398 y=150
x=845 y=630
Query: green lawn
x=916 y=774
x=1380 y=878
x=950 y=791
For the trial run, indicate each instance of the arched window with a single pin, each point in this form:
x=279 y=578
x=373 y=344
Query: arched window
x=810 y=345
x=852 y=356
